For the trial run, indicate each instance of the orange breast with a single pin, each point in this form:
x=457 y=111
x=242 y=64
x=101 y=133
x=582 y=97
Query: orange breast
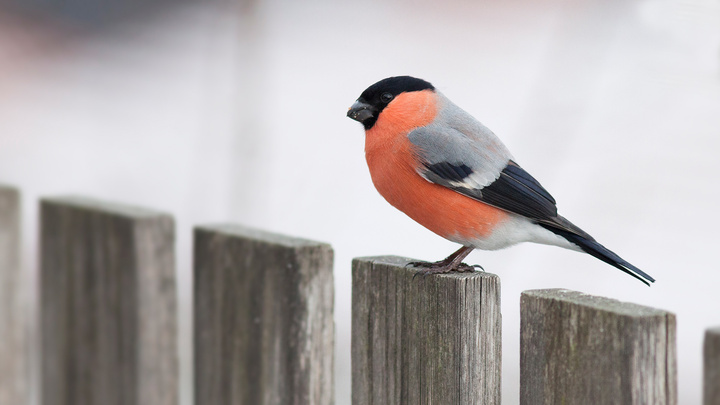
x=393 y=167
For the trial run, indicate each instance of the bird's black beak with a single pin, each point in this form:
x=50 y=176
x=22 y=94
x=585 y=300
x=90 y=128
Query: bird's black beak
x=361 y=111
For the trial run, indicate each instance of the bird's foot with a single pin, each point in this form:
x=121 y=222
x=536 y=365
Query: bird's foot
x=450 y=263
x=442 y=266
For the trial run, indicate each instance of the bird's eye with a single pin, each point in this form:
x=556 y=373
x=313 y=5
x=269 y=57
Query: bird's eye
x=386 y=97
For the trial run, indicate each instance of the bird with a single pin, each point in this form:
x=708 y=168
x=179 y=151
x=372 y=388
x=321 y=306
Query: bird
x=447 y=171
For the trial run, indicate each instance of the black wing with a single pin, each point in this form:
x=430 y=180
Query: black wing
x=514 y=190
x=518 y=192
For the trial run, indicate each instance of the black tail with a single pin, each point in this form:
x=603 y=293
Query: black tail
x=592 y=247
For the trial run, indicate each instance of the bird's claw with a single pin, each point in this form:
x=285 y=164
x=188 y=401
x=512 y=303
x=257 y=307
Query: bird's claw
x=479 y=267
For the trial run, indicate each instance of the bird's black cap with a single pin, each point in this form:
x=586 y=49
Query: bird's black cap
x=395 y=85
x=374 y=99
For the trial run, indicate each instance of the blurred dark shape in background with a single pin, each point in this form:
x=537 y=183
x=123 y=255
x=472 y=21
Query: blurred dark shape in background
x=90 y=14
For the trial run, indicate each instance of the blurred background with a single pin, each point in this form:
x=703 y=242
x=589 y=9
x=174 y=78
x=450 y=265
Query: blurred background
x=235 y=111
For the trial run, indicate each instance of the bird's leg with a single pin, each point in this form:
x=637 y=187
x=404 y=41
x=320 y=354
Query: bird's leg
x=450 y=263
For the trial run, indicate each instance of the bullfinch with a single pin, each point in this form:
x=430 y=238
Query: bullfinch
x=436 y=163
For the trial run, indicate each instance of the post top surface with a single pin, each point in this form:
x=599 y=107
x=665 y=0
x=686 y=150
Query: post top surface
x=7 y=187
x=402 y=262
x=93 y=204
x=240 y=231
x=595 y=302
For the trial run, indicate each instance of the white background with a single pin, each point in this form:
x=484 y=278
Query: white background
x=215 y=112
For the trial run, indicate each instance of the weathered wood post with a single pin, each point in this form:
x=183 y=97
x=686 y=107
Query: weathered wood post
x=13 y=333
x=108 y=304
x=264 y=329
x=424 y=340
x=711 y=354
x=581 y=349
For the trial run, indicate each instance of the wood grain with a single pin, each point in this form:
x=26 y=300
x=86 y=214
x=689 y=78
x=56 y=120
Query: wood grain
x=424 y=340
x=13 y=328
x=711 y=354
x=581 y=349
x=108 y=304
x=264 y=329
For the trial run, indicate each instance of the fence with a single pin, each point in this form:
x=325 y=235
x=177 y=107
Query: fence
x=264 y=332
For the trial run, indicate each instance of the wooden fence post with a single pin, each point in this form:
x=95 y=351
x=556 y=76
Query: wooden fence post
x=13 y=333
x=424 y=340
x=581 y=349
x=108 y=304
x=264 y=329
x=711 y=354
